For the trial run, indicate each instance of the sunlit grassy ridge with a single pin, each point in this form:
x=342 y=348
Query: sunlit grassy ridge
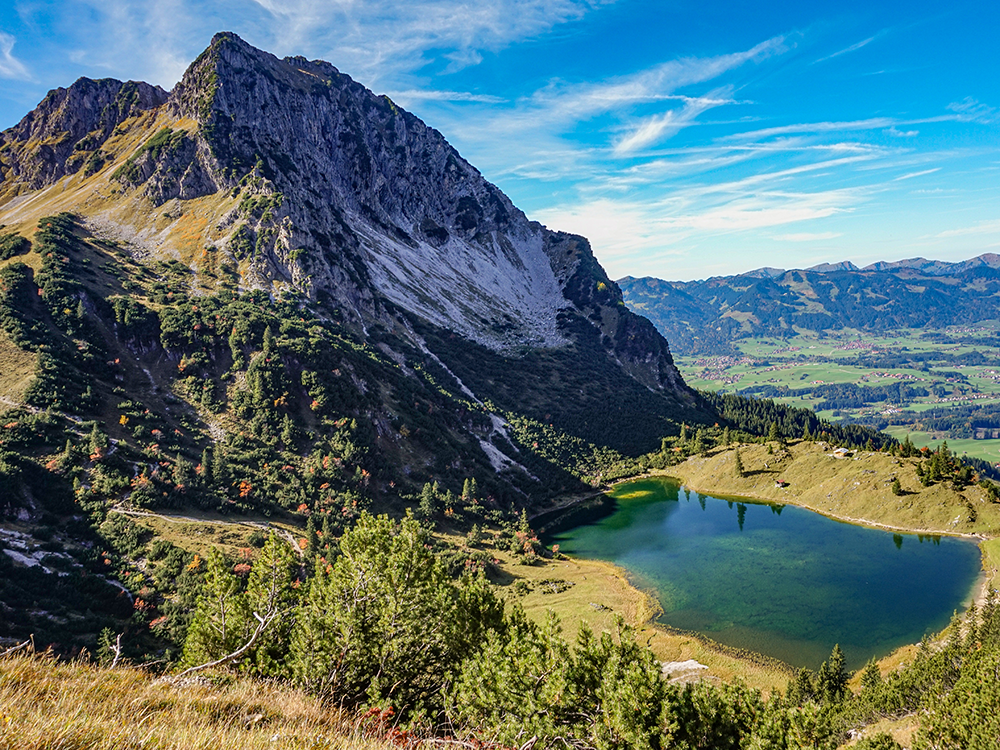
x=857 y=487
x=45 y=703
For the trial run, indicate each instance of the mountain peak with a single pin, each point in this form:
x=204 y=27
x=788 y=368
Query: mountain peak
x=299 y=178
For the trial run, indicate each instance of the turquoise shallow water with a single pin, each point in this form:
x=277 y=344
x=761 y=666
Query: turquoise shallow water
x=779 y=580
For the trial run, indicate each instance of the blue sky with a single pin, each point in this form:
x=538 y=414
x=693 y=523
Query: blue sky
x=685 y=139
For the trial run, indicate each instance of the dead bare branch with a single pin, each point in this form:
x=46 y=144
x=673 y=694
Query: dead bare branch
x=262 y=623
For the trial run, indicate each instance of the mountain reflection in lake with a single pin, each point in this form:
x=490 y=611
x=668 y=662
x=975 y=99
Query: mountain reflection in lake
x=775 y=579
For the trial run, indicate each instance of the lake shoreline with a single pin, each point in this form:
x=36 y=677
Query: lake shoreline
x=821 y=511
x=977 y=592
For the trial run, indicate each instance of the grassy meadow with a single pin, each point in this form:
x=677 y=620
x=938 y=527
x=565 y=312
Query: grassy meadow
x=806 y=361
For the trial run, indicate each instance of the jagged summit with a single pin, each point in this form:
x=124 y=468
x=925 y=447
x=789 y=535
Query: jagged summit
x=289 y=176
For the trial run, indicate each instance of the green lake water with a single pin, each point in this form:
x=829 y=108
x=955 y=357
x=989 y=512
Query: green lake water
x=779 y=580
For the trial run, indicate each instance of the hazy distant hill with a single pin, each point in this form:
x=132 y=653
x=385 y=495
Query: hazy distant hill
x=707 y=316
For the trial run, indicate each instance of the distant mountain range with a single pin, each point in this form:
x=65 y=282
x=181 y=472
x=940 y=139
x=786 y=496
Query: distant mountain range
x=927 y=267
x=707 y=316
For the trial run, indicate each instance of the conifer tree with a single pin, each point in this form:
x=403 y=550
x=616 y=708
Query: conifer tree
x=325 y=534
x=288 y=433
x=699 y=446
x=269 y=596
x=740 y=471
x=428 y=501
x=384 y=622
x=872 y=676
x=221 y=622
x=267 y=345
x=312 y=539
x=236 y=349
x=206 y=463
x=772 y=432
x=836 y=678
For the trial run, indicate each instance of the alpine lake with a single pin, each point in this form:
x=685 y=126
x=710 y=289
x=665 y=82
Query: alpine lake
x=778 y=580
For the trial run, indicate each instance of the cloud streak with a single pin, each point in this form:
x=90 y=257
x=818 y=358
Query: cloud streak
x=853 y=48
x=921 y=173
x=660 y=127
x=10 y=66
x=982 y=227
x=807 y=236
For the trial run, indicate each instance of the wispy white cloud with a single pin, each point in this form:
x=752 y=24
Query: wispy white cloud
x=381 y=38
x=624 y=231
x=416 y=95
x=873 y=123
x=921 y=173
x=982 y=227
x=807 y=236
x=10 y=66
x=897 y=133
x=657 y=83
x=853 y=48
x=660 y=127
x=971 y=110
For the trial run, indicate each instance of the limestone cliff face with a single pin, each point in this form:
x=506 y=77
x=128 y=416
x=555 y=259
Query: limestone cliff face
x=65 y=132
x=325 y=187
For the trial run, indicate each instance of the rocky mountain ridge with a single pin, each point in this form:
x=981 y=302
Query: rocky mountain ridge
x=706 y=316
x=307 y=180
x=921 y=265
x=287 y=177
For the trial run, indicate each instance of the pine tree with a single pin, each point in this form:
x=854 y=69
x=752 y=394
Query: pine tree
x=475 y=536
x=725 y=437
x=772 y=432
x=268 y=344
x=740 y=471
x=270 y=598
x=428 y=501
x=206 y=463
x=236 y=349
x=220 y=469
x=288 y=433
x=312 y=539
x=107 y=642
x=699 y=446
x=98 y=441
x=384 y=622
x=183 y=472
x=221 y=622
x=897 y=488
x=872 y=676
x=836 y=685
x=325 y=534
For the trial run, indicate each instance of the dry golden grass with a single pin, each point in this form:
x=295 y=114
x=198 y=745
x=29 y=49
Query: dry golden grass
x=45 y=704
x=17 y=370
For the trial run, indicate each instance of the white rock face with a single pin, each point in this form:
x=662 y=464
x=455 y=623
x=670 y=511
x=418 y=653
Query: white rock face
x=502 y=294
